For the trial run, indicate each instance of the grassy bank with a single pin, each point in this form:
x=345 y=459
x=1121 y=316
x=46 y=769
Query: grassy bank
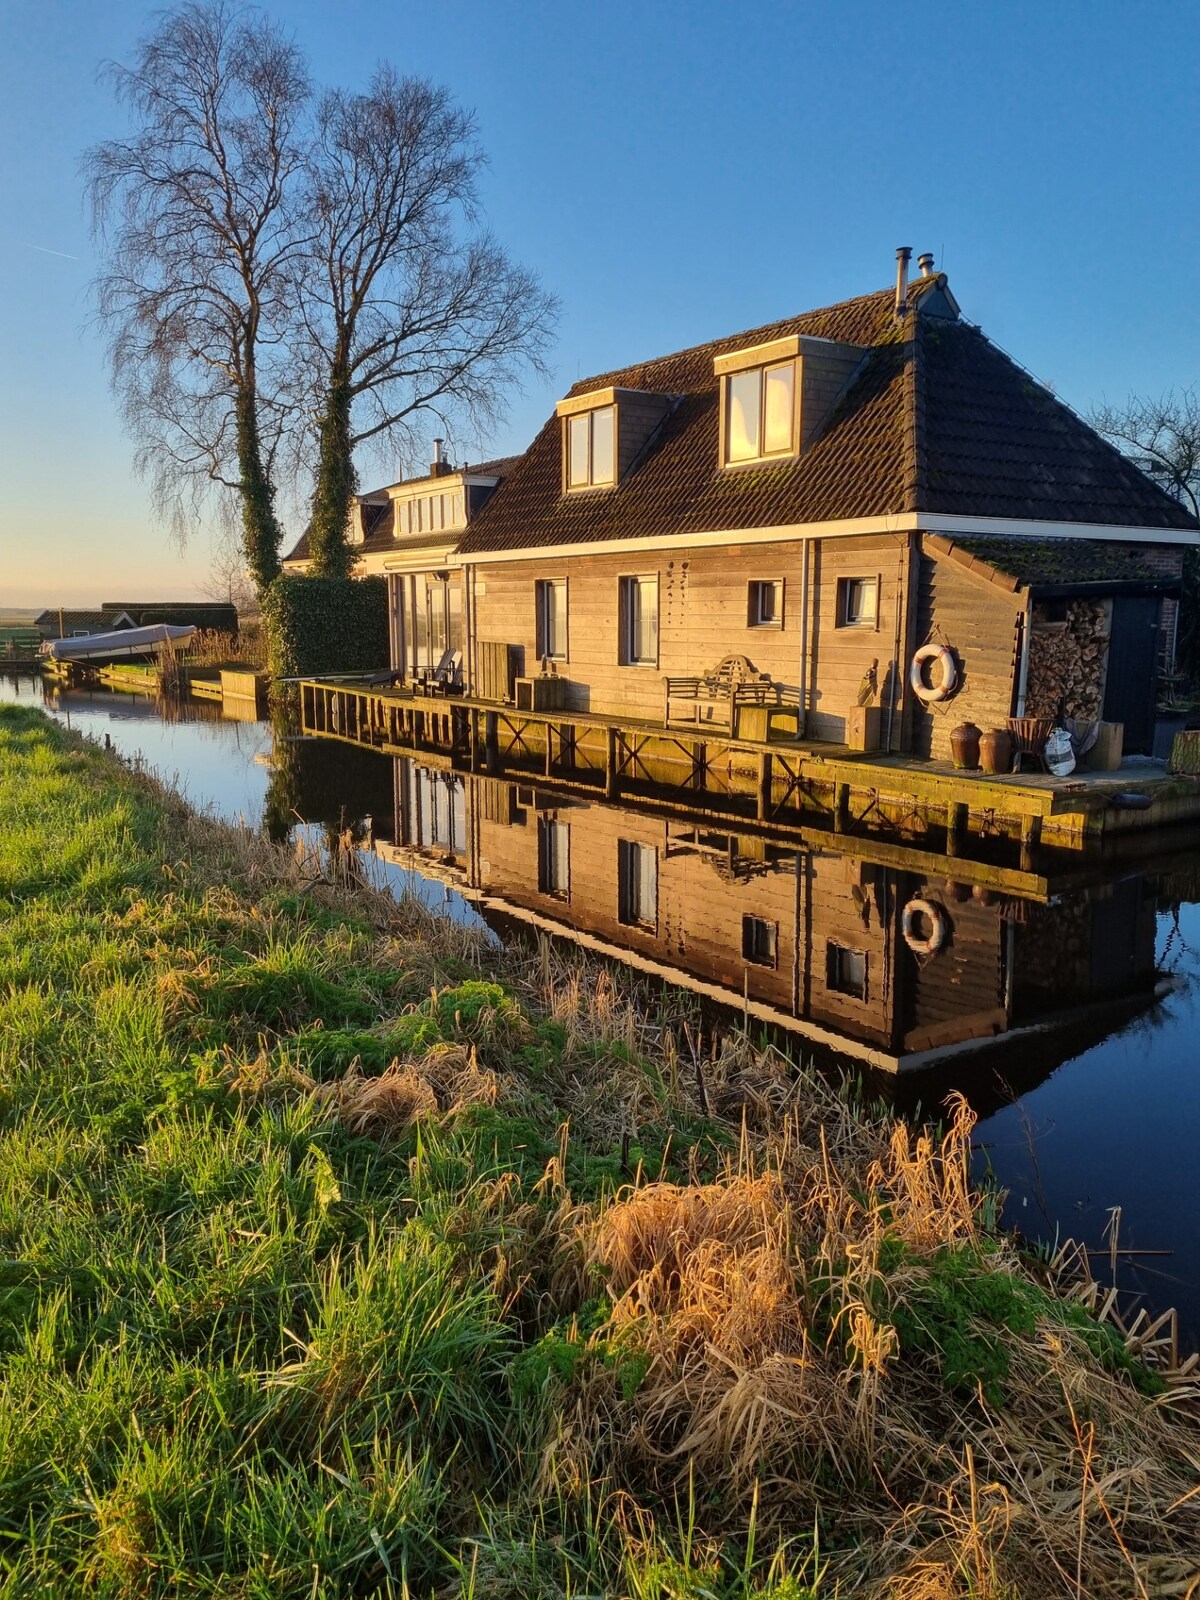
x=341 y=1254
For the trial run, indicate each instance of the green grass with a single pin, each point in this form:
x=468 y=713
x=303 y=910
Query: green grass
x=250 y=1350
x=243 y=1351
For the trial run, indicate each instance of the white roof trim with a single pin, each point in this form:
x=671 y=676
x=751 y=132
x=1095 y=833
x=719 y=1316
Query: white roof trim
x=849 y=528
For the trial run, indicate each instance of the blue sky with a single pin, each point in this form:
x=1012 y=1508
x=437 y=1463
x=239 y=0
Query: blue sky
x=675 y=171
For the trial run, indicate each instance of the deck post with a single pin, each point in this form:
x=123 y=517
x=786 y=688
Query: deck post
x=956 y=827
x=1031 y=838
x=473 y=737
x=611 y=780
x=491 y=741
x=841 y=808
x=764 y=785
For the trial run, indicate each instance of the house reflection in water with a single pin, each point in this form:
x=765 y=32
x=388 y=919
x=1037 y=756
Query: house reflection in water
x=899 y=968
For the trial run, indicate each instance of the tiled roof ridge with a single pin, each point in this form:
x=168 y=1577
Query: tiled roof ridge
x=777 y=329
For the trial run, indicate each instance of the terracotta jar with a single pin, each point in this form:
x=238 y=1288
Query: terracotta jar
x=996 y=750
x=964 y=745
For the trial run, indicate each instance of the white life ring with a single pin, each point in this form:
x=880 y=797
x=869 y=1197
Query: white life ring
x=916 y=676
x=935 y=938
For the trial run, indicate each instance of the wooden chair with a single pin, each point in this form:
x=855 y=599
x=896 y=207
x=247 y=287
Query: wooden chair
x=445 y=678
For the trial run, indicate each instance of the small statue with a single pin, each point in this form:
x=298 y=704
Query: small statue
x=869 y=685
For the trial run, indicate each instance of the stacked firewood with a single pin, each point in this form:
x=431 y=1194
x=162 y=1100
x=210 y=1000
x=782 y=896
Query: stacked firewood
x=1067 y=662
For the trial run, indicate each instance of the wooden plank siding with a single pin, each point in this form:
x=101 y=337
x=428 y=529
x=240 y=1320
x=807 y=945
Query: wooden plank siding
x=703 y=616
x=980 y=622
x=702 y=903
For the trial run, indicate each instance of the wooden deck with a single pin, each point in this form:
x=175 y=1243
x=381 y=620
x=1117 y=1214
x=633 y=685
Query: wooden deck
x=770 y=783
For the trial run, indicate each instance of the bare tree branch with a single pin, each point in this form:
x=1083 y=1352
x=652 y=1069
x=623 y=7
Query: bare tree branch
x=192 y=211
x=406 y=311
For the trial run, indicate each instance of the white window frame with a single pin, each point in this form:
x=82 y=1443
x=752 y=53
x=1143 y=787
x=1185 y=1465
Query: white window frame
x=548 y=858
x=631 y=912
x=750 y=921
x=784 y=453
x=754 y=592
x=543 y=592
x=626 y=644
x=844 y=619
x=833 y=950
x=591 y=481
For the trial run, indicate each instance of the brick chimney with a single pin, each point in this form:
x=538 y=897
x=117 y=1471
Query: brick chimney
x=440 y=466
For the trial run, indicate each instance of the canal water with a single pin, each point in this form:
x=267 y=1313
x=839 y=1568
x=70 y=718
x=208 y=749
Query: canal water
x=1068 y=1019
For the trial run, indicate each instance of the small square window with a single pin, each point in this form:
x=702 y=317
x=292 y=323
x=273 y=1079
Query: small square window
x=857 y=602
x=637 y=884
x=554 y=859
x=765 y=604
x=760 y=941
x=846 y=971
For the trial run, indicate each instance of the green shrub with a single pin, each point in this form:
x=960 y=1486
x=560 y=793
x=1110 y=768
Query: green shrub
x=317 y=625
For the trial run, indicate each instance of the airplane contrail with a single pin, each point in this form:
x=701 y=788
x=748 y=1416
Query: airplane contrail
x=47 y=252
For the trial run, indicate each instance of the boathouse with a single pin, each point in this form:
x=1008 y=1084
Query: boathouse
x=864 y=525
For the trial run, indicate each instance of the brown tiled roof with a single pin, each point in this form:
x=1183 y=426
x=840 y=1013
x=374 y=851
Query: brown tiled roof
x=937 y=420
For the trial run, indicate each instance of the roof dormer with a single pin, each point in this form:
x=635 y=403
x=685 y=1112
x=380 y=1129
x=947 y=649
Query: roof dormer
x=603 y=433
x=775 y=396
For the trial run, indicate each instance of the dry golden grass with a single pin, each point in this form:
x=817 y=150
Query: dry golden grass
x=445 y=1079
x=775 y=1371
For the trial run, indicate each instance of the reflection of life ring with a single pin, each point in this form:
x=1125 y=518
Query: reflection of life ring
x=916 y=676
x=935 y=938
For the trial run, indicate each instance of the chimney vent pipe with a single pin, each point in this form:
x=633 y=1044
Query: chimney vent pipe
x=925 y=262
x=440 y=465
x=903 y=257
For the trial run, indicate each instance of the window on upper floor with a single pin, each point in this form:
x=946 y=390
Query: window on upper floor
x=638 y=621
x=550 y=596
x=760 y=412
x=857 y=602
x=591 y=448
x=764 y=606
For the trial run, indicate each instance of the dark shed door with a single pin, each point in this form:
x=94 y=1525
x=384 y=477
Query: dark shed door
x=1129 y=691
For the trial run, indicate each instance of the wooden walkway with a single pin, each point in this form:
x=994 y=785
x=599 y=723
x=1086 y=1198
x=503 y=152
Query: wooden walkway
x=773 y=784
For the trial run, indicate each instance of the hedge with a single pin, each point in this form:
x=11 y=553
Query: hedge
x=317 y=625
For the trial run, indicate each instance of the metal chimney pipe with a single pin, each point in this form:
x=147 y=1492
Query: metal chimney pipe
x=903 y=257
x=925 y=262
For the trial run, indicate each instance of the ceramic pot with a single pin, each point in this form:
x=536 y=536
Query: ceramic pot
x=996 y=750
x=964 y=745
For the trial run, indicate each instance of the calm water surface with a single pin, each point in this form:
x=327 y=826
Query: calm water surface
x=1089 y=1105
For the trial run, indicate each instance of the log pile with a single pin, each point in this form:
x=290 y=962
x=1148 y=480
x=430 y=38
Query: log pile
x=1067 y=662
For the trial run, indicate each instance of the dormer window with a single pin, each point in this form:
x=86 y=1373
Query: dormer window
x=759 y=411
x=591 y=449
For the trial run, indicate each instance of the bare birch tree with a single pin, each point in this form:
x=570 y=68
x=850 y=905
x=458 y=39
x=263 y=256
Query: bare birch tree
x=408 y=309
x=1163 y=438
x=192 y=212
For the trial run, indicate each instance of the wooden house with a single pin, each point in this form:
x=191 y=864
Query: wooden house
x=408 y=532
x=860 y=505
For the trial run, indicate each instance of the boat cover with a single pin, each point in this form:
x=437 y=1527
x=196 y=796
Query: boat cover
x=124 y=642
